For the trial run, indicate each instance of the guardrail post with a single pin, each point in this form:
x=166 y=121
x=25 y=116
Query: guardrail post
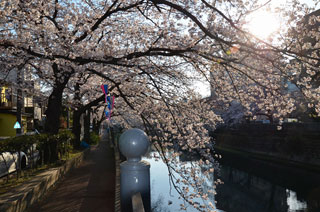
x=134 y=173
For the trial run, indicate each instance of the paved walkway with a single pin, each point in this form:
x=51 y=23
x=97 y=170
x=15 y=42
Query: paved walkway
x=89 y=188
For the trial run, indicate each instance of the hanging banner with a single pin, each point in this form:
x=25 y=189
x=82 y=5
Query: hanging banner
x=104 y=89
x=111 y=105
x=109 y=100
x=107 y=114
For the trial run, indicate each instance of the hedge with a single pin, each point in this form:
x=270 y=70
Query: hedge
x=51 y=147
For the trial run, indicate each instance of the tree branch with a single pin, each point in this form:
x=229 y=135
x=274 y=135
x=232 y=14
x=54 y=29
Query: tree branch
x=108 y=13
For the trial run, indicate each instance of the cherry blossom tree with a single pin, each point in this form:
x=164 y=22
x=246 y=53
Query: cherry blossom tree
x=149 y=52
x=83 y=98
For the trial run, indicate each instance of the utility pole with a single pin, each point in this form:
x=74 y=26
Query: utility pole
x=19 y=91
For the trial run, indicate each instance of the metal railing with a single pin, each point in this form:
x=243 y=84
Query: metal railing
x=137 y=204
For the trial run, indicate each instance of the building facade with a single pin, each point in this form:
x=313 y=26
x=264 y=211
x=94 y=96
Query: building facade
x=32 y=104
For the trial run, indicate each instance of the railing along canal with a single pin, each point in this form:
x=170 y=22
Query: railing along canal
x=137 y=203
x=134 y=173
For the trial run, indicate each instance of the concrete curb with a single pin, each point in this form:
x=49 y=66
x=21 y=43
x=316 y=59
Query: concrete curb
x=20 y=198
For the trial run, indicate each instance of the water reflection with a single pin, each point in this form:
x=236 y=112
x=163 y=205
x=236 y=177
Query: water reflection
x=253 y=185
x=164 y=197
x=249 y=185
x=293 y=202
x=243 y=191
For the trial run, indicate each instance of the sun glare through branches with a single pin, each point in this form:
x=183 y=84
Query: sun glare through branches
x=263 y=24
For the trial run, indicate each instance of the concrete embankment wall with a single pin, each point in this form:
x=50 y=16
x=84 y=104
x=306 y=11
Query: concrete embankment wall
x=294 y=142
x=20 y=198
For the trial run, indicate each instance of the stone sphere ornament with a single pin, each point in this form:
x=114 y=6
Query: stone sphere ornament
x=134 y=173
x=134 y=143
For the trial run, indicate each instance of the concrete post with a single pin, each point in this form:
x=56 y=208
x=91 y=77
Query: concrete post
x=134 y=173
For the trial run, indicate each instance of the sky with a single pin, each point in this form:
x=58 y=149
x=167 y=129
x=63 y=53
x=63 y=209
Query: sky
x=204 y=88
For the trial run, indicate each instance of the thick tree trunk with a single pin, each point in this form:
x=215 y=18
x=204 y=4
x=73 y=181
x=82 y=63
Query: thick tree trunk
x=53 y=111
x=96 y=122
x=76 y=128
x=96 y=125
x=87 y=126
x=52 y=124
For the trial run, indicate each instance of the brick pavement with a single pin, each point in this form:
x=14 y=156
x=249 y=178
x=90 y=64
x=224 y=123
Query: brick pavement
x=89 y=188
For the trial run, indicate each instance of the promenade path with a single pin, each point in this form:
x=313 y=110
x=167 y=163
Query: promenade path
x=88 y=188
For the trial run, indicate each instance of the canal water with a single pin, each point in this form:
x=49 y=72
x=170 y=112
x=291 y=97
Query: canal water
x=248 y=186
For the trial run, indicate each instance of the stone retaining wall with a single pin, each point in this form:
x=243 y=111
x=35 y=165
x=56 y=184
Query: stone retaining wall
x=20 y=198
x=298 y=142
x=290 y=146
